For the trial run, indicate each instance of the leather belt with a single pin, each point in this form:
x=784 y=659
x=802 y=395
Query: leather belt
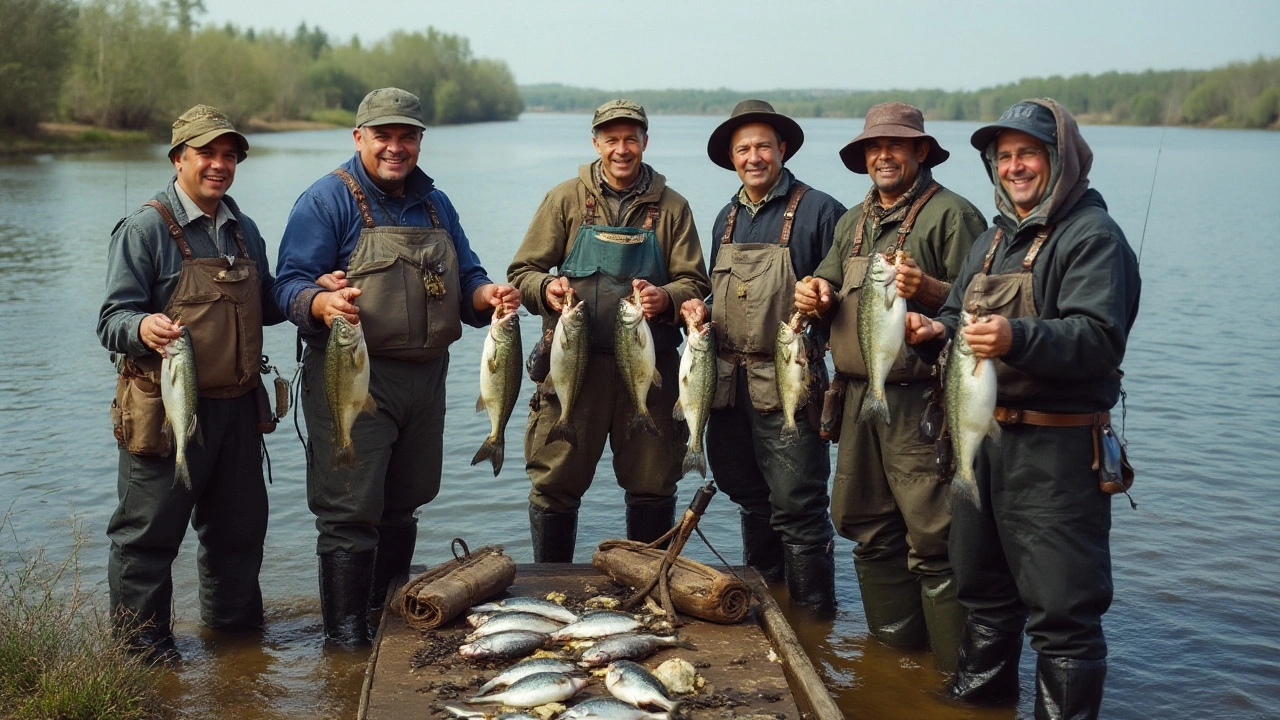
x=1011 y=416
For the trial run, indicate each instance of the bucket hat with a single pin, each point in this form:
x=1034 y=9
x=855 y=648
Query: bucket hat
x=199 y=126
x=891 y=119
x=390 y=106
x=752 y=111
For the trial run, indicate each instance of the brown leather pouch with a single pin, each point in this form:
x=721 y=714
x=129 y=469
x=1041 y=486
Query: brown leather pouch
x=262 y=401
x=1115 y=474
x=832 y=409
x=138 y=418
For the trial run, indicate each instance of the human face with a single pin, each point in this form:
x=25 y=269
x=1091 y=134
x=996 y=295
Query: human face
x=389 y=153
x=1022 y=163
x=205 y=173
x=893 y=164
x=756 y=152
x=621 y=146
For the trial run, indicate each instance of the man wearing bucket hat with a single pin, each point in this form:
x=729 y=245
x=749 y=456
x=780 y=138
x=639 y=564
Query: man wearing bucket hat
x=885 y=496
x=1059 y=286
x=774 y=230
x=187 y=244
x=377 y=243
x=615 y=228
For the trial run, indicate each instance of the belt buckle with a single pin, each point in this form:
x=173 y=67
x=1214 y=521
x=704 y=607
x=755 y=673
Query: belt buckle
x=1008 y=416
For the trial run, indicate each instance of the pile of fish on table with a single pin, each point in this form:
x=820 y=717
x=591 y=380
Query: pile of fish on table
x=564 y=646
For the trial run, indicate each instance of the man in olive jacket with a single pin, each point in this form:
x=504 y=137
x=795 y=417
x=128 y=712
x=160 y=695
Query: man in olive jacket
x=1056 y=286
x=614 y=229
x=885 y=496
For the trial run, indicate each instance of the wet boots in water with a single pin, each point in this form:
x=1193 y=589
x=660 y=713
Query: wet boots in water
x=986 y=666
x=646 y=523
x=891 y=600
x=762 y=547
x=944 y=616
x=345 y=582
x=1068 y=689
x=811 y=573
x=554 y=535
x=391 y=567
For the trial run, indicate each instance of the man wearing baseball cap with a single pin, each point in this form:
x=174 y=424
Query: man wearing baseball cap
x=885 y=496
x=774 y=230
x=186 y=245
x=377 y=243
x=615 y=228
x=1056 y=287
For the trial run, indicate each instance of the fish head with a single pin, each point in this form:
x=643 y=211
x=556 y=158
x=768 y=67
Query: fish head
x=629 y=310
x=576 y=682
x=347 y=334
x=503 y=321
x=881 y=271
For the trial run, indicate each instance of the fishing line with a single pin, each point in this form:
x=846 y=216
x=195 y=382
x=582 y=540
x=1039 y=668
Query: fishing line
x=1152 y=192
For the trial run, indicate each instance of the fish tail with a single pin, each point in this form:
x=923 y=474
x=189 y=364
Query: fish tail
x=686 y=645
x=694 y=459
x=563 y=431
x=874 y=408
x=965 y=487
x=643 y=421
x=344 y=455
x=181 y=475
x=790 y=432
x=492 y=449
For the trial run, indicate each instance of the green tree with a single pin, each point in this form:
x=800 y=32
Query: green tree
x=183 y=12
x=35 y=43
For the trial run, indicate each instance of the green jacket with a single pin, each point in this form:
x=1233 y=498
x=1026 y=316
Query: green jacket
x=556 y=223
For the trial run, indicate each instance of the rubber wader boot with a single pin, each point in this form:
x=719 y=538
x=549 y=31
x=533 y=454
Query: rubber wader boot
x=554 y=535
x=811 y=575
x=762 y=547
x=891 y=601
x=146 y=630
x=395 y=550
x=944 y=615
x=345 y=580
x=986 y=666
x=1068 y=689
x=646 y=523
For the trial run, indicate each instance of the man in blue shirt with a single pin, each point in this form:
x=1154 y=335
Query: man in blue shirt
x=398 y=263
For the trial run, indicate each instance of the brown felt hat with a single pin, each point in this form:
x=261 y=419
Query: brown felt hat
x=752 y=111
x=199 y=126
x=620 y=110
x=891 y=119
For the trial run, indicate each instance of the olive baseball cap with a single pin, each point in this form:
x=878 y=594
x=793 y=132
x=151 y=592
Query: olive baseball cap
x=620 y=110
x=199 y=126
x=390 y=106
x=1028 y=116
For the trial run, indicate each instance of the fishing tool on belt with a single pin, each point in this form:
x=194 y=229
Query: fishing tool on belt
x=269 y=417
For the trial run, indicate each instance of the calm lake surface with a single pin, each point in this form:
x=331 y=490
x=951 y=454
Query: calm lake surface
x=1195 y=627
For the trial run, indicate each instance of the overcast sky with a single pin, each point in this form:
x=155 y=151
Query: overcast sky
x=844 y=44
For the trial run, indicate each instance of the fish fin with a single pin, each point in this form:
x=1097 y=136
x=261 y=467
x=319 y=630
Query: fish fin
x=994 y=430
x=479 y=405
x=677 y=411
x=965 y=488
x=493 y=364
x=548 y=386
x=643 y=422
x=874 y=408
x=790 y=434
x=563 y=431
x=686 y=645
x=492 y=450
x=343 y=456
x=370 y=405
x=657 y=378
x=196 y=433
x=181 y=475
x=890 y=296
x=694 y=460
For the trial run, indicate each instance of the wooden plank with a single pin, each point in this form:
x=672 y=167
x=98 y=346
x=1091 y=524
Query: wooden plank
x=747 y=672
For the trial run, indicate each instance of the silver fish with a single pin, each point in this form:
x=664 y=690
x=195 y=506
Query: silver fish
x=516 y=621
x=697 y=385
x=637 y=363
x=509 y=644
x=596 y=625
x=971 y=401
x=180 y=395
x=607 y=708
x=570 y=348
x=346 y=386
x=534 y=690
x=882 y=321
x=791 y=367
x=499 y=383
x=629 y=647
x=633 y=683
x=534 y=605
x=525 y=668
x=472 y=714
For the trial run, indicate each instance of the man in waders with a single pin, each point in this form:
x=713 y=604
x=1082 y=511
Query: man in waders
x=614 y=228
x=774 y=230
x=1056 y=287
x=885 y=496
x=379 y=231
x=186 y=245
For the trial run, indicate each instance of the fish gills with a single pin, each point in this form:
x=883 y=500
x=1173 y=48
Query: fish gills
x=346 y=386
x=697 y=385
x=180 y=394
x=637 y=362
x=882 y=320
x=499 y=383
x=570 y=347
x=971 y=402
x=791 y=370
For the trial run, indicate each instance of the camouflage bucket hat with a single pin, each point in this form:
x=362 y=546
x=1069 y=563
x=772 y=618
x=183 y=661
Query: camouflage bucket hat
x=620 y=110
x=390 y=106
x=200 y=125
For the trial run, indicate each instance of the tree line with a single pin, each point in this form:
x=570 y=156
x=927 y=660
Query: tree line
x=1241 y=95
x=134 y=64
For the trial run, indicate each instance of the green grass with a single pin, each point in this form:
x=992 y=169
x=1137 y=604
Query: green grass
x=336 y=118
x=58 y=660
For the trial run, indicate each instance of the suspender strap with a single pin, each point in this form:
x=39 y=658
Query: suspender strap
x=362 y=202
x=650 y=217
x=1030 y=258
x=914 y=212
x=431 y=213
x=789 y=217
x=175 y=230
x=728 y=224
x=862 y=226
x=589 y=217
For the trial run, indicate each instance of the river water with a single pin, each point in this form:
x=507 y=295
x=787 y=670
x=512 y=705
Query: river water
x=1194 y=630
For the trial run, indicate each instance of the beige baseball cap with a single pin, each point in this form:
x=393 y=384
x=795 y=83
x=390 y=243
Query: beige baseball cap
x=199 y=126
x=620 y=110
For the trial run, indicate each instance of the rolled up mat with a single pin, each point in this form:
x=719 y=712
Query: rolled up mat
x=696 y=589
x=442 y=593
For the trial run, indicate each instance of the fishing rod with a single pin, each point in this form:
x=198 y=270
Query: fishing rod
x=1151 y=193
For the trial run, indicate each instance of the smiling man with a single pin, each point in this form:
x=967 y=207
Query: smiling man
x=188 y=244
x=616 y=227
x=885 y=497
x=377 y=243
x=774 y=230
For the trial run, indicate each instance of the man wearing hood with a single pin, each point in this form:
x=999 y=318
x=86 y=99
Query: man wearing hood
x=376 y=242
x=1058 y=285
x=885 y=496
x=614 y=229
x=774 y=230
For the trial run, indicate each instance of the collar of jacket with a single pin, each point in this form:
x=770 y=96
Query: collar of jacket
x=779 y=189
x=898 y=211
x=652 y=194
x=417 y=186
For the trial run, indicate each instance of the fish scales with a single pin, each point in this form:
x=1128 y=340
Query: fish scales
x=792 y=374
x=970 y=404
x=180 y=395
x=570 y=349
x=346 y=386
x=697 y=386
x=882 y=317
x=637 y=361
x=500 y=375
